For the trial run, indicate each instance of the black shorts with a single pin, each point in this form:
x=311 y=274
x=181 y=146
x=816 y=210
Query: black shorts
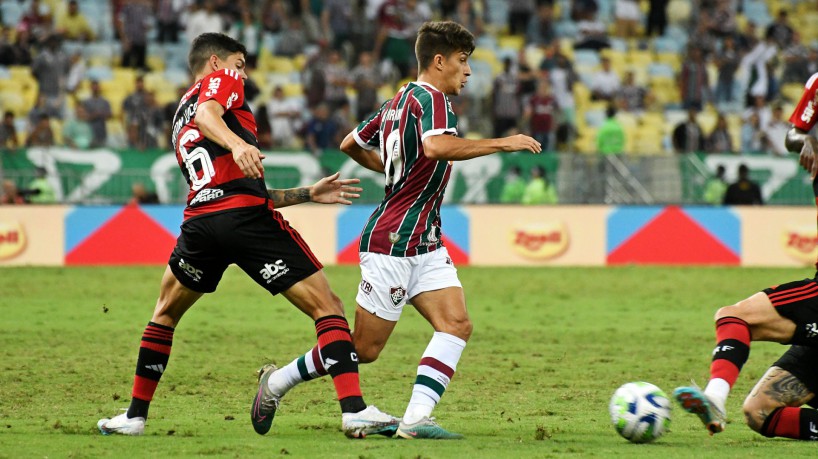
x=257 y=239
x=797 y=301
x=802 y=362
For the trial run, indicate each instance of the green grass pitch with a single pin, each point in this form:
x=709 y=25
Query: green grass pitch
x=549 y=348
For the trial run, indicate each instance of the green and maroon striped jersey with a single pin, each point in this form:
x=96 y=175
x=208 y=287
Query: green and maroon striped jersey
x=407 y=222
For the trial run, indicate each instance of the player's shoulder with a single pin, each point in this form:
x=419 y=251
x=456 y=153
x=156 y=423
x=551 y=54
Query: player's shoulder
x=812 y=82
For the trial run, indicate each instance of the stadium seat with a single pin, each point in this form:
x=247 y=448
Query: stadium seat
x=511 y=41
x=792 y=91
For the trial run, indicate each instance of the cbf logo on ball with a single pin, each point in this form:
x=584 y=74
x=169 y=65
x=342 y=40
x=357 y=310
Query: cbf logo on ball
x=12 y=239
x=540 y=241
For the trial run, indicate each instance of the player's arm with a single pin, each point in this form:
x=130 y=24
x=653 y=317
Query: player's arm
x=210 y=123
x=369 y=159
x=445 y=147
x=328 y=190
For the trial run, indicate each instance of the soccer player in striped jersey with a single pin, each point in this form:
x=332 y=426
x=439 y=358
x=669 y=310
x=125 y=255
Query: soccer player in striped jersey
x=412 y=139
x=230 y=218
x=786 y=314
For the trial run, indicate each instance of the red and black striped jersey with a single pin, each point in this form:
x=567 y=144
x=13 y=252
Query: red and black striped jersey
x=804 y=117
x=216 y=181
x=407 y=222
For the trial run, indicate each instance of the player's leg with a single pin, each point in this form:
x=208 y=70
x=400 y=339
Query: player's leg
x=154 y=351
x=753 y=319
x=774 y=406
x=436 y=293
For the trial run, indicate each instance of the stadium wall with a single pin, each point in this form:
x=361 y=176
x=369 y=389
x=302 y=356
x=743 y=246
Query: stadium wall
x=480 y=235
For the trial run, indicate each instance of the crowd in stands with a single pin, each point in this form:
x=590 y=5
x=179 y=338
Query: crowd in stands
x=589 y=76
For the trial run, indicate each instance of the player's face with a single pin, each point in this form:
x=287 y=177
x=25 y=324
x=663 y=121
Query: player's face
x=456 y=73
x=234 y=62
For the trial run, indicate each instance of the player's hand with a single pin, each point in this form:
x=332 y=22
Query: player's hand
x=248 y=158
x=521 y=142
x=807 y=157
x=332 y=190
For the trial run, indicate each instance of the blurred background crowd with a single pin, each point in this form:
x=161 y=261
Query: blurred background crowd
x=646 y=77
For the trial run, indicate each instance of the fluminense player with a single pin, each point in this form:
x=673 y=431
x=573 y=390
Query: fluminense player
x=230 y=218
x=413 y=141
x=786 y=314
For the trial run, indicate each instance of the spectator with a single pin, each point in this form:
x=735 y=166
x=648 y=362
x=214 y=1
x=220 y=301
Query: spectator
x=519 y=13
x=76 y=131
x=49 y=69
x=342 y=119
x=513 y=187
x=657 y=18
x=539 y=190
x=753 y=137
x=399 y=21
x=202 y=19
x=781 y=31
x=321 y=131
x=592 y=34
x=727 y=62
x=133 y=22
x=693 y=81
x=8 y=132
x=293 y=39
x=605 y=83
x=715 y=188
x=274 y=16
x=9 y=194
x=744 y=191
x=41 y=134
x=758 y=64
x=140 y=116
x=747 y=39
x=722 y=21
x=776 y=131
x=610 y=137
x=338 y=17
x=98 y=111
x=168 y=13
x=719 y=141
x=17 y=52
x=40 y=190
x=466 y=14
x=584 y=9
x=541 y=112
x=631 y=95
x=73 y=25
x=797 y=61
x=141 y=195
x=248 y=31
x=705 y=41
x=541 y=30
x=760 y=109
x=36 y=21
x=365 y=80
x=687 y=136
x=506 y=104
x=628 y=16
x=283 y=114
x=76 y=72
x=336 y=74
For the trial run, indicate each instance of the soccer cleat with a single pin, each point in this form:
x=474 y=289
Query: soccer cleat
x=693 y=400
x=265 y=403
x=426 y=428
x=121 y=424
x=370 y=421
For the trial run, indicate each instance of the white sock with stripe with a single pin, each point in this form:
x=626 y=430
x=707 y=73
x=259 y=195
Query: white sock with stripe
x=305 y=368
x=437 y=366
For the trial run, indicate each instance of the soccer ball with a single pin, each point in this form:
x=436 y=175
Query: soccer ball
x=640 y=412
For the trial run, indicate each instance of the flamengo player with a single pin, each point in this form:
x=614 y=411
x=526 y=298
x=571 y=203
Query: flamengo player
x=413 y=140
x=786 y=314
x=230 y=219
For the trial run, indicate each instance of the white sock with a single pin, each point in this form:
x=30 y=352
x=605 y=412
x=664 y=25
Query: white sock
x=718 y=390
x=437 y=366
x=305 y=368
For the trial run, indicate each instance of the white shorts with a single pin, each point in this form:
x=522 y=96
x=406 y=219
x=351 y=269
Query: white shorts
x=388 y=283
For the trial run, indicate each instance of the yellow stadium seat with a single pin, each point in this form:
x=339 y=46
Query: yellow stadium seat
x=15 y=102
x=293 y=90
x=511 y=41
x=647 y=141
x=792 y=91
x=672 y=59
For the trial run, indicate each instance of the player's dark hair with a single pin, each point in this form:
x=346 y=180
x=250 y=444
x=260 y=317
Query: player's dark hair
x=445 y=38
x=208 y=44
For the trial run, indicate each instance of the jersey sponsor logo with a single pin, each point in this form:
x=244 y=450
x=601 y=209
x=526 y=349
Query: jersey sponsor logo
x=273 y=271
x=800 y=243
x=182 y=119
x=207 y=194
x=397 y=294
x=190 y=270
x=366 y=287
x=213 y=86
x=809 y=111
x=233 y=97
x=394 y=237
x=540 y=241
x=12 y=239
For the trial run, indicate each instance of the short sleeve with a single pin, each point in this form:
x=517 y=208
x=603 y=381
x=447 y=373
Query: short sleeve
x=437 y=116
x=804 y=116
x=225 y=86
x=368 y=134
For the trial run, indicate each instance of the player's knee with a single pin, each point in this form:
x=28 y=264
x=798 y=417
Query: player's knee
x=460 y=328
x=728 y=311
x=368 y=354
x=754 y=414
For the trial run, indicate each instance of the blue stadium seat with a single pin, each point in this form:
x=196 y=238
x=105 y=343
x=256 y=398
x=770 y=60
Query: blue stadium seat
x=566 y=29
x=12 y=12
